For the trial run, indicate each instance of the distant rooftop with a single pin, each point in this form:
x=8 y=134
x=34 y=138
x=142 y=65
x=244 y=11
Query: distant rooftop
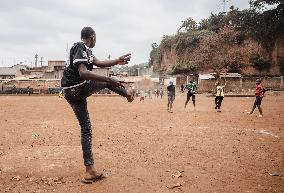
x=8 y=71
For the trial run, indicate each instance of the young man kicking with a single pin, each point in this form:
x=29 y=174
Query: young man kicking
x=79 y=82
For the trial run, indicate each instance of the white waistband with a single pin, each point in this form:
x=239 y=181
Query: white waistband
x=63 y=88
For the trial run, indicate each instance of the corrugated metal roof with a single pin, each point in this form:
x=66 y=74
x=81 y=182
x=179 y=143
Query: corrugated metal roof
x=226 y=75
x=7 y=71
x=231 y=75
x=205 y=76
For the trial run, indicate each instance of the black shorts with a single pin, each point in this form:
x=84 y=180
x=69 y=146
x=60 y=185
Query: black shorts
x=189 y=94
x=171 y=98
x=258 y=100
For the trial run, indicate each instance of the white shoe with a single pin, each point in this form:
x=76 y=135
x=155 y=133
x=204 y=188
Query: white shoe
x=260 y=115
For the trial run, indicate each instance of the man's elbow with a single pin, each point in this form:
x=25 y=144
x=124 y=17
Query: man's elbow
x=83 y=74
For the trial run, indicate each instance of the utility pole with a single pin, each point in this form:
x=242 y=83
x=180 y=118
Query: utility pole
x=36 y=56
x=41 y=61
x=224 y=4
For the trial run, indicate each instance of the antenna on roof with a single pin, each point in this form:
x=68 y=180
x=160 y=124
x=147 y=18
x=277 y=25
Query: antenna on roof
x=36 y=56
x=41 y=61
x=224 y=4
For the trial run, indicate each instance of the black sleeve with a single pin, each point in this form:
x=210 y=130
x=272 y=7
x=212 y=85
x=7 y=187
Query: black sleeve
x=80 y=55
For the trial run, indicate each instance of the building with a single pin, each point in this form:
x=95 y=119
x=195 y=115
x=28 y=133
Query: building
x=145 y=71
x=12 y=72
x=54 y=69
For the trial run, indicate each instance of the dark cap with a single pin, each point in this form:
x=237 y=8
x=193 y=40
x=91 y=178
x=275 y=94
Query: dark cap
x=258 y=81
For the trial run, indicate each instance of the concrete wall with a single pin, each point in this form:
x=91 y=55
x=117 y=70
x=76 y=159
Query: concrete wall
x=40 y=84
x=244 y=84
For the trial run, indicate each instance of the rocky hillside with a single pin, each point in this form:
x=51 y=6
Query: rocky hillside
x=237 y=41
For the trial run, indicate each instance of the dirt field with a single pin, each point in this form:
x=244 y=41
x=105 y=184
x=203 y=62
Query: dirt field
x=142 y=147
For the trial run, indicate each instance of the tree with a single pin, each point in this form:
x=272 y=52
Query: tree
x=265 y=23
x=257 y=22
x=188 y=25
x=260 y=63
x=214 y=23
x=261 y=3
x=154 y=46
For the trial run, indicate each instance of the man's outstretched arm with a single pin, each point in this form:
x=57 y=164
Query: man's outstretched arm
x=88 y=75
x=122 y=60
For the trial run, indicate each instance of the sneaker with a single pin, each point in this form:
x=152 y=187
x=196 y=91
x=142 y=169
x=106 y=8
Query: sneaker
x=260 y=115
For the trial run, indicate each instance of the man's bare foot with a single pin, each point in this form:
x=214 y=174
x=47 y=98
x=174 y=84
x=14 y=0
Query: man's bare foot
x=130 y=95
x=92 y=175
x=170 y=111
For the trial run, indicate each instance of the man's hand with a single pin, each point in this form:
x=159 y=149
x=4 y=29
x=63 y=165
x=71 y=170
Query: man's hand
x=122 y=60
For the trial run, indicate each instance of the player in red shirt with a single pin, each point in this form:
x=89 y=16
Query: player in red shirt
x=259 y=93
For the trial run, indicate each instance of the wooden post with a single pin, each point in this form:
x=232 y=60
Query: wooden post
x=281 y=82
x=241 y=83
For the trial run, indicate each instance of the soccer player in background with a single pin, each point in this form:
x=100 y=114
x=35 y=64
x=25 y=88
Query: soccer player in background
x=259 y=94
x=219 y=95
x=171 y=96
x=191 y=91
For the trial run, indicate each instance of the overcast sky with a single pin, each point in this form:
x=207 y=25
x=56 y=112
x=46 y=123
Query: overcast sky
x=48 y=27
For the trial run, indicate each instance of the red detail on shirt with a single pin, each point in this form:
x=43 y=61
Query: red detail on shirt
x=259 y=90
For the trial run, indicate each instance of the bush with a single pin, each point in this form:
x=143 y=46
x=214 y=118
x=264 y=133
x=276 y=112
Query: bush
x=260 y=63
x=180 y=68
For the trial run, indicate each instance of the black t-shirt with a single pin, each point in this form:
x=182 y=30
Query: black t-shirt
x=79 y=54
x=171 y=90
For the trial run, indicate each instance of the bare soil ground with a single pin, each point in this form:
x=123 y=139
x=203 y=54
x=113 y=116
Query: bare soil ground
x=142 y=147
